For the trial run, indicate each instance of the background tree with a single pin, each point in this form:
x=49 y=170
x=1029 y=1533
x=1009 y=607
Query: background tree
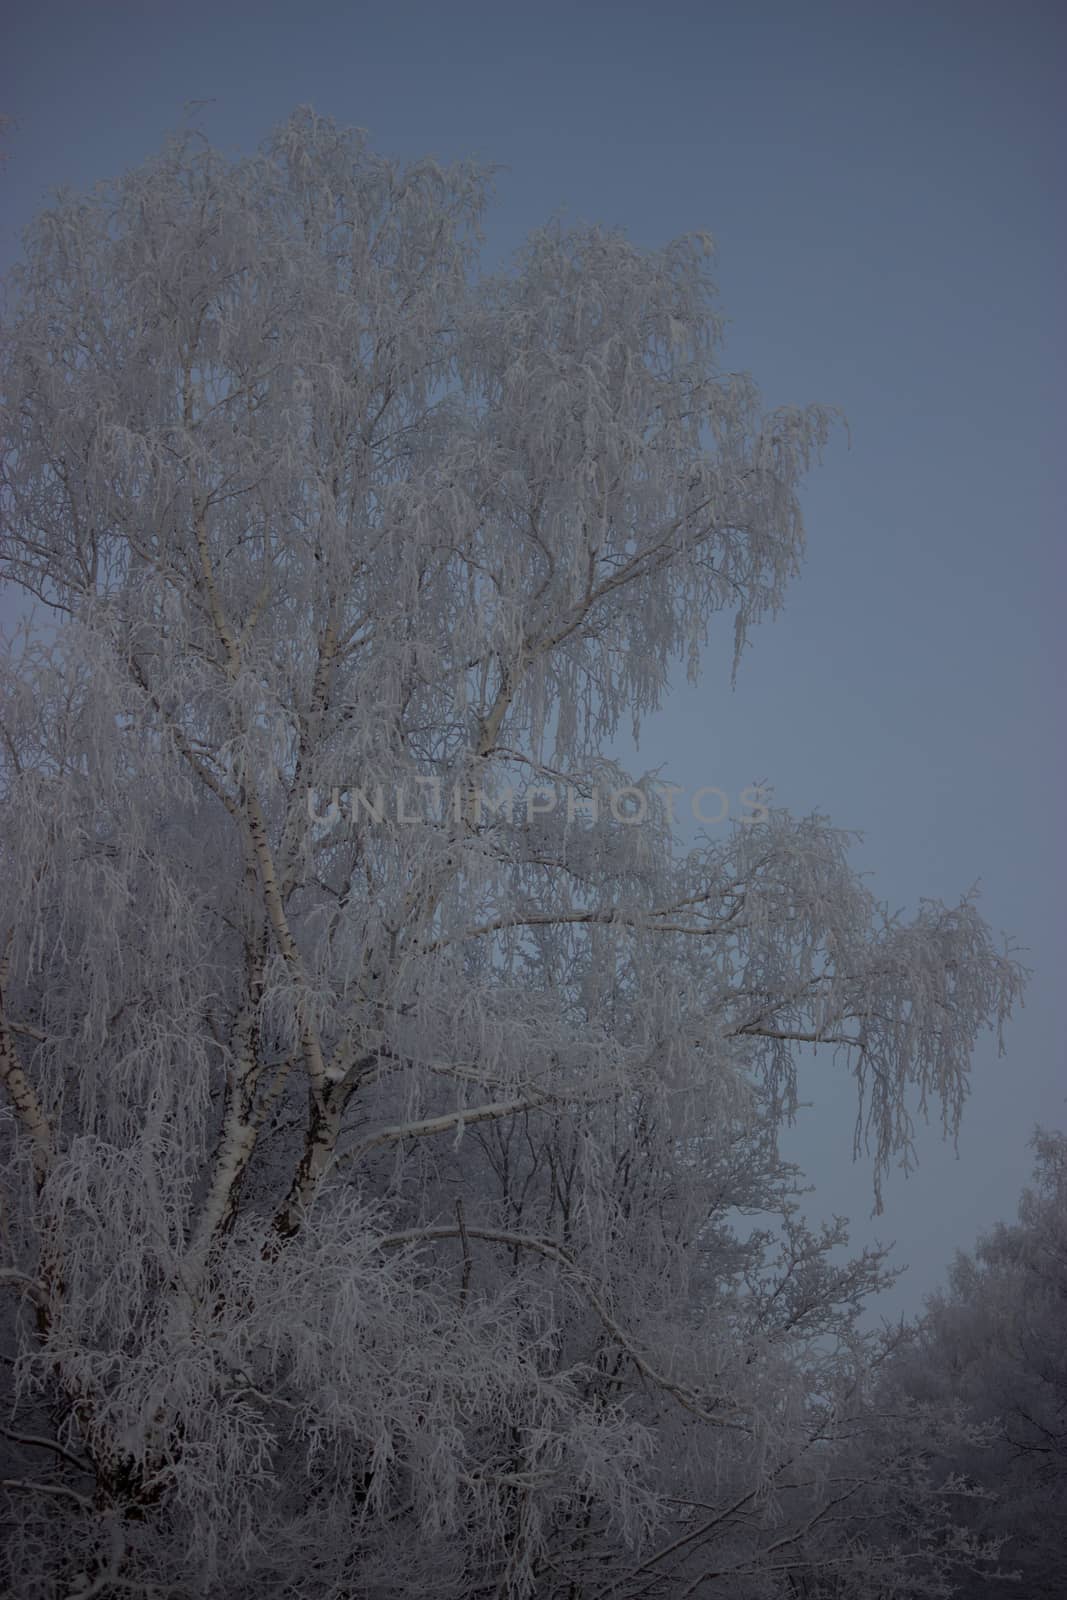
x=376 y=1183
x=992 y=1345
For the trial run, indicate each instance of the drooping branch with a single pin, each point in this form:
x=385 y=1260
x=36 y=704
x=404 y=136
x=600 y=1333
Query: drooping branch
x=36 y=1441
x=689 y=1400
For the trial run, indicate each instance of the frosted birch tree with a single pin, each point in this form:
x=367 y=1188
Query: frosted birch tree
x=383 y=1103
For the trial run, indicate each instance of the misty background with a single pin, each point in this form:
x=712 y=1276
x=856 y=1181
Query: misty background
x=883 y=187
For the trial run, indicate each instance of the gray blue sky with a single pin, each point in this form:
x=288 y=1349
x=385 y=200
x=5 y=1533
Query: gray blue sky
x=882 y=185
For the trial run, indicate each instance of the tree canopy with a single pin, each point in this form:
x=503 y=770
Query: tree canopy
x=395 y=1199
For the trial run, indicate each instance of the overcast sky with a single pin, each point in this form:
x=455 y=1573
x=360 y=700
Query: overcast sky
x=881 y=184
